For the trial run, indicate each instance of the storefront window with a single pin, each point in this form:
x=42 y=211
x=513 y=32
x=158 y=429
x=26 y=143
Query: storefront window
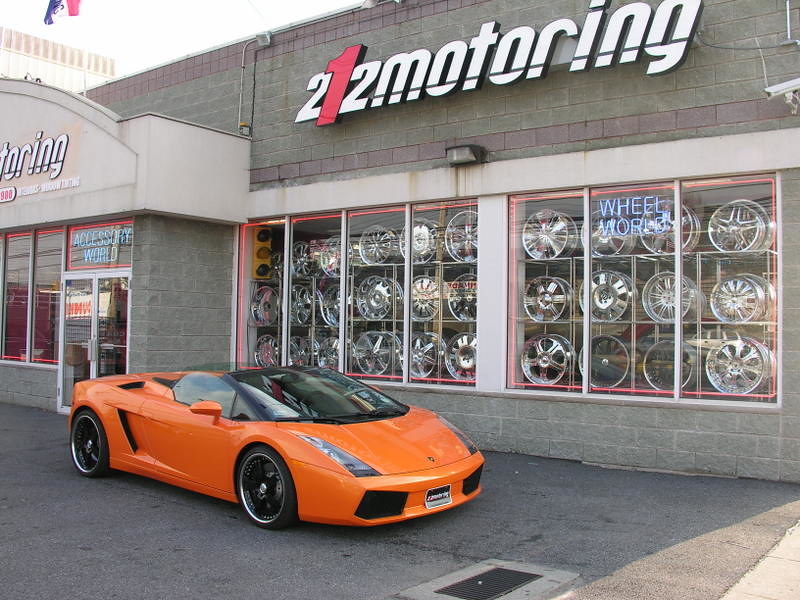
x=100 y=246
x=47 y=295
x=261 y=294
x=631 y=297
x=444 y=292
x=702 y=327
x=17 y=287
x=546 y=326
x=733 y=261
x=315 y=291
x=376 y=272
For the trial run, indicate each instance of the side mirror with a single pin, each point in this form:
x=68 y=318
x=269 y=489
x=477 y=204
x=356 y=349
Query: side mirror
x=207 y=407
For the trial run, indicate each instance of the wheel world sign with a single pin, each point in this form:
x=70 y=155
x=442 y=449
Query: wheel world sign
x=606 y=38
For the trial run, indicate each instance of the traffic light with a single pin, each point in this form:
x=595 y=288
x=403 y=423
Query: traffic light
x=262 y=252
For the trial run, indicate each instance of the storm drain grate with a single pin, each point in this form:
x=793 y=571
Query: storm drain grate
x=488 y=585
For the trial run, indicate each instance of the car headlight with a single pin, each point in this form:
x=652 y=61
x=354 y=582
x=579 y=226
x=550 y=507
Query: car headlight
x=347 y=460
x=460 y=435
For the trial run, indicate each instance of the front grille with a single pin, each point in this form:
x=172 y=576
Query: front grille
x=471 y=483
x=375 y=505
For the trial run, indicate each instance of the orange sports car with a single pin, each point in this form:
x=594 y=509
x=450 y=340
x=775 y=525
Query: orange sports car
x=286 y=443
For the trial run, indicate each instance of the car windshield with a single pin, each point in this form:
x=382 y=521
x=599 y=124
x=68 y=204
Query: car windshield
x=316 y=394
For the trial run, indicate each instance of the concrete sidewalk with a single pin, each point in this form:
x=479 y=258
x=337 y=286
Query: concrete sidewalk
x=776 y=576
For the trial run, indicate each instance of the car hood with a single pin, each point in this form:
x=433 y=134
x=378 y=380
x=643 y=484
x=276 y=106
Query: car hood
x=415 y=441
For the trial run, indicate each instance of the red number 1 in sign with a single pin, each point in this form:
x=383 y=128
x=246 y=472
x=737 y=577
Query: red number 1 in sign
x=341 y=69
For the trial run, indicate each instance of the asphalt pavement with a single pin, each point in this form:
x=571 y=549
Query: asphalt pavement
x=626 y=534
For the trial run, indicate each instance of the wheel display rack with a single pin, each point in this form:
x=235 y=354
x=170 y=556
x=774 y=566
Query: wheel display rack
x=727 y=307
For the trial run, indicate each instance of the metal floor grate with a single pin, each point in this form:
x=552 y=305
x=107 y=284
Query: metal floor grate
x=489 y=585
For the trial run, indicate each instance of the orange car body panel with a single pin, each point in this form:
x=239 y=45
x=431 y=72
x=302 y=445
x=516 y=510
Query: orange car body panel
x=152 y=435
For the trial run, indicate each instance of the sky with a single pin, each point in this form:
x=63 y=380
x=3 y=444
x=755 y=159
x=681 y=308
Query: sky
x=145 y=33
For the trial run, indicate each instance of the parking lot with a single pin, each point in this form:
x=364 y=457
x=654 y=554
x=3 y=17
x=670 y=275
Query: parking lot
x=627 y=534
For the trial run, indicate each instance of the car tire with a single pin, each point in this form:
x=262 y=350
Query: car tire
x=265 y=488
x=88 y=444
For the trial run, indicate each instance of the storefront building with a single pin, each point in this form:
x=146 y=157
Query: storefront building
x=596 y=152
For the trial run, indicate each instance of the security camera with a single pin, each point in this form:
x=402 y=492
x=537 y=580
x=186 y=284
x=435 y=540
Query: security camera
x=786 y=87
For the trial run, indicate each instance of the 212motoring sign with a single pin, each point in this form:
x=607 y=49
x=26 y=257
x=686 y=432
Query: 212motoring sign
x=348 y=84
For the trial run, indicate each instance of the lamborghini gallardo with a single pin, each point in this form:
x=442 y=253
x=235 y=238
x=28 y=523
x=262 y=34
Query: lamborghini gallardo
x=287 y=444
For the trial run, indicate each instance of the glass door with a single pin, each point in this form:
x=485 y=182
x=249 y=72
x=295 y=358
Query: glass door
x=95 y=330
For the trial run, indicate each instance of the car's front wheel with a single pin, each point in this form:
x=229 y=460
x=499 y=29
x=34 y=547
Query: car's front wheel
x=88 y=444
x=265 y=488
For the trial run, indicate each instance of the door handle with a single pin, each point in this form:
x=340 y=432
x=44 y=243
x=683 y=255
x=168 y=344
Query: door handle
x=93 y=349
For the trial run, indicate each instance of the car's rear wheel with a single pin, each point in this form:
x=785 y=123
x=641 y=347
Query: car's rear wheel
x=265 y=488
x=89 y=445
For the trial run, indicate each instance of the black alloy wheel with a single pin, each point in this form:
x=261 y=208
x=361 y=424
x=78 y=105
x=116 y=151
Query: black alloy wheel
x=89 y=445
x=265 y=488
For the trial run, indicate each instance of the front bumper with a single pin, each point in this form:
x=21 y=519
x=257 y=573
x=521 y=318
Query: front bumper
x=325 y=496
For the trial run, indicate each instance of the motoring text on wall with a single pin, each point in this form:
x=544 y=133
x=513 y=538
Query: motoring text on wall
x=606 y=38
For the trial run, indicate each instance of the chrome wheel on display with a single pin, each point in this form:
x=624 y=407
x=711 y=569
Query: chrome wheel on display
x=741 y=298
x=659 y=366
x=375 y=352
x=663 y=242
x=548 y=234
x=302 y=351
x=329 y=256
x=611 y=295
x=658 y=297
x=426 y=298
x=276 y=268
x=609 y=362
x=329 y=301
x=267 y=352
x=739 y=226
x=377 y=296
x=461 y=236
x=377 y=245
x=547 y=298
x=265 y=306
x=462 y=297
x=328 y=353
x=605 y=243
x=302 y=265
x=301 y=304
x=426 y=351
x=547 y=358
x=423 y=241
x=460 y=356
x=739 y=366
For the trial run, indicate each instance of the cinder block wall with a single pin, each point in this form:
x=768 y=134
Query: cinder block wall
x=181 y=293
x=29 y=385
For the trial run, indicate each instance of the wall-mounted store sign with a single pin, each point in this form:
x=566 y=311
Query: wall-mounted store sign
x=100 y=246
x=41 y=156
x=623 y=36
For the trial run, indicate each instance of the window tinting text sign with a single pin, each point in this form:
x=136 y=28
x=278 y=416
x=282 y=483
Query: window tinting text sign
x=100 y=246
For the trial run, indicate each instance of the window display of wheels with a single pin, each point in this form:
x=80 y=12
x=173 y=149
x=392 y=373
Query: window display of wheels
x=609 y=362
x=328 y=254
x=659 y=365
x=607 y=243
x=426 y=298
x=302 y=351
x=742 y=298
x=302 y=263
x=329 y=300
x=301 y=304
x=377 y=352
x=739 y=226
x=660 y=238
x=378 y=245
x=740 y=366
x=461 y=356
x=547 y=359
x=328 y=352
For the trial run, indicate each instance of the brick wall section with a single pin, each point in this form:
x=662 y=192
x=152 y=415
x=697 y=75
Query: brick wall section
x=717 y=91
x=29 y=386
x=181 y=293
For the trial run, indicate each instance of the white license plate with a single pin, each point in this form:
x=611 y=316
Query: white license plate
x=438 y=496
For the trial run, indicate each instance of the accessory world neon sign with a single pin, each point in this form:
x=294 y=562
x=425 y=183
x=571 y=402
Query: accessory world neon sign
x=625 y=35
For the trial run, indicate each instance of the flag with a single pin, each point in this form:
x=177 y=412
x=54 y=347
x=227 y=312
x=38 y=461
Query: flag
x=61 y=8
